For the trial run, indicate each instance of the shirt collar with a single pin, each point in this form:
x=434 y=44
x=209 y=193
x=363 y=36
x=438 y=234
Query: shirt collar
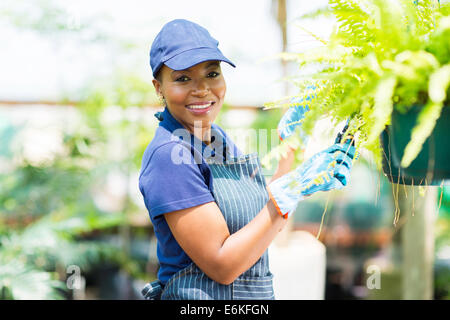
x=171 y=124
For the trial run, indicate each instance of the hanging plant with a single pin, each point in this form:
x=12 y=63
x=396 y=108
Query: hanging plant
x=383 y=58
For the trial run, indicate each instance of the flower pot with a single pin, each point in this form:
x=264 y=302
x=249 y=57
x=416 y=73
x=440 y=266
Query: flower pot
x=432 y=165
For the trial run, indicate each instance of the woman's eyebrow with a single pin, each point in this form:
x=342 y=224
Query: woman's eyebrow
x=174 y=71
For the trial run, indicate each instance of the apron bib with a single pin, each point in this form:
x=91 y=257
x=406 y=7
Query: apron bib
x=240 y=192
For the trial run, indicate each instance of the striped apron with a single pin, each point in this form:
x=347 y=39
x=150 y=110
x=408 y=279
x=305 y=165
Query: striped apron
x=239 y=189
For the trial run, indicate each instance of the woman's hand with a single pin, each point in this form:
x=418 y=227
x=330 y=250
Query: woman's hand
x=326 y=170
x=291 y=119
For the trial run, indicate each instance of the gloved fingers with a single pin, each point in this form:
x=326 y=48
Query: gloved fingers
x=318 y=173
x=290 y=120
x=342 y=174
x=293 y=116
x=343 y=159
x=299 y=101
x=345 y=148
x=330 y=185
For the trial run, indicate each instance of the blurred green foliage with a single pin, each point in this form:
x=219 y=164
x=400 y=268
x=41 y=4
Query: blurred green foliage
x=50 y=217
x=44 y=210
x=48 y=210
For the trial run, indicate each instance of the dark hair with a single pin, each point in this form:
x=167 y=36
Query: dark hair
x=158 y=75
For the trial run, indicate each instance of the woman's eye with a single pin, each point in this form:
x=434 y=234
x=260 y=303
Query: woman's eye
x=182 y=79
x=213 y=74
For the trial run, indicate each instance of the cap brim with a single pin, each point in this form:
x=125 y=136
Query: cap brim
x=192 y=57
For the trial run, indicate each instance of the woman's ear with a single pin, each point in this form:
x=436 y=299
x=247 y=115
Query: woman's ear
x=157 y=86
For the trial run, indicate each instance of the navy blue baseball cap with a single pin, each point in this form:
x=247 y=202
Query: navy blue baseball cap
x=182 y=44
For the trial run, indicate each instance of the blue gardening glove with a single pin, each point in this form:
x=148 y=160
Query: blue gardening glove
x=294 y=115
x=326 y=170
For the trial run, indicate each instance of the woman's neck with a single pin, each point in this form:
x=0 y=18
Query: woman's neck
x=201 y=133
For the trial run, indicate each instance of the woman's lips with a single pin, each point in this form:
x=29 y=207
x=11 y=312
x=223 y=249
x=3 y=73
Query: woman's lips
x=200 y=107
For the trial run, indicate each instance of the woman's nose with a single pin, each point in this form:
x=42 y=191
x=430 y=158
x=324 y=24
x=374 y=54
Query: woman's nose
x=201 y=89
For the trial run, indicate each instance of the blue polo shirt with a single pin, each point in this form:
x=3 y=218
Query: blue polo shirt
x=175 y=176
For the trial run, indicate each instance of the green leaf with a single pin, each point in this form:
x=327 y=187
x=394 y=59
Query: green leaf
x=426 y=121
x=382 y=108
x=439 y=83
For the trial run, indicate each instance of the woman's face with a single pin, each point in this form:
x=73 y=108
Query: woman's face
x=195 y=95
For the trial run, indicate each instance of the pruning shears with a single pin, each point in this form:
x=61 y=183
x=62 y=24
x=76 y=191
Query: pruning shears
x=341 y=134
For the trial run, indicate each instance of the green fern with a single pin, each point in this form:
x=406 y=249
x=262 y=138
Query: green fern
x=382 y=107
x=382 y=54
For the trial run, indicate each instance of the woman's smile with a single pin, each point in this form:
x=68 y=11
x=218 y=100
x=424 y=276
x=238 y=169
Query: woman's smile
x=200 y=107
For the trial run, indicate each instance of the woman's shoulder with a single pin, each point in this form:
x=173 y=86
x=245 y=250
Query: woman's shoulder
x=166 y=161
x=166 y=149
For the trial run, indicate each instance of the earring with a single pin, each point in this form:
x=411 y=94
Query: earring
x=162 y=100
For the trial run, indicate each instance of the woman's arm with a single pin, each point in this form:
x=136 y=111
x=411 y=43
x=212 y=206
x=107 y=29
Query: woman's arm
x=203 y=234
x=284 y=164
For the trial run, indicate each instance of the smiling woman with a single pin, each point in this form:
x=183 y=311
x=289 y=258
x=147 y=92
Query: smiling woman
x=212 y=212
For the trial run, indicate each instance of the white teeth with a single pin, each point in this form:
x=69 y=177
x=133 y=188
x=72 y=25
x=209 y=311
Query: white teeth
x=203 y=106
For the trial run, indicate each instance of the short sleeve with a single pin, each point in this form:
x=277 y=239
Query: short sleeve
x=169 y=184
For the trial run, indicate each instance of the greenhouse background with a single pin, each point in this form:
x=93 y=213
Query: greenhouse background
x=77 y=112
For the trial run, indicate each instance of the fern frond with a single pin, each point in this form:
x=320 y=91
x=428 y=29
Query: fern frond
x=320 y=12
x=312 y=34
x=306 y=92
x=426 y=120
x=439 y=83
x=354 y=23
x=383 y=106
